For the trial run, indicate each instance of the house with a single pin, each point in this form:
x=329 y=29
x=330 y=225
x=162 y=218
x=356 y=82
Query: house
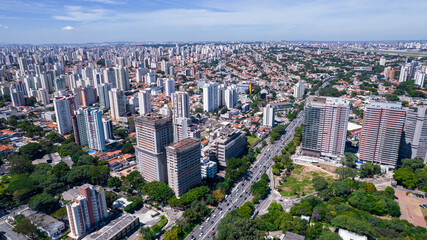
x=53 y=159
x=293 y=236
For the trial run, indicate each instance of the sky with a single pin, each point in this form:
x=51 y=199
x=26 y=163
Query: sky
x=84 y=21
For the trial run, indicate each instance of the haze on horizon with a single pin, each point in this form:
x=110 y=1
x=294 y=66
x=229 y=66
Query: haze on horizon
x=71 y=21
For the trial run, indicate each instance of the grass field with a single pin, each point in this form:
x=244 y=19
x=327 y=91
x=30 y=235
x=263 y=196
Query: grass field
x=252 y=140
x=299 y=182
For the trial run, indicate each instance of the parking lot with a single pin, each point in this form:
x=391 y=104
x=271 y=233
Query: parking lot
x=410 y=208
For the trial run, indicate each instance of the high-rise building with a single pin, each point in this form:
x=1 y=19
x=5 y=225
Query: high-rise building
x=325 y=126
x=419 y=78
x=381 y=133
x=169 y=87
x=404 y=73
x=382 y=61
x=108 y=128
x=94 y=129
x=230 y=143
x=210 y=97
x=88 y=96
x=122 y=78
x=268 y=117
x=389 y=73
x=42 y=96
x=180 y=128
x=110 y=77
x=117 y=104
x=63 y=115
x=153 y=133
x=17 y=95
x=144 y=97
x=414 y=139
x=299 y=90
x=86 y=209
x=79 y=127
x=184 y=167
x=180 y=102
x=221 y=95
x=231 y=96
x=104 y=97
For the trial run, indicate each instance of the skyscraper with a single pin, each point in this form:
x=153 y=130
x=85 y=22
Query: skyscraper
x=231 y=96
x=221 y=95
x=325 y=126
x=86 y=209
x=110 y=77
x=17 y=95
x=122 y=78
x=63 y=115
x=108 y=128
x=180 y=102
x=268 y=116
x=144 y=97
x=381 y=133
x=104 y=97
x=183 y=163
x=94 y=129
x=117 y=104
x=299 y=90
x=153 y=133
x=210 y=97
x=389 y=73
x=169 y=87
x=414 y=139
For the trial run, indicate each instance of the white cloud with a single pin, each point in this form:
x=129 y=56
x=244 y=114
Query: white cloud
x=6 y=27
x=106 y=1
x=68 y=28
x=80 y=14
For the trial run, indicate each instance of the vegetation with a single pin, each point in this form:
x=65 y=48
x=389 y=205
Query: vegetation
x=260 y=189
x=412 y=174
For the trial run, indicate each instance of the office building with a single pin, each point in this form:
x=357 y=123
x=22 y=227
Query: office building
x=104 y=97
x=381 y=133
x=268 y=116
x=144 y=97
x=63 y=115
x=414 y=139
x=208 y=168
x=231 y=97
x=117 y=104
x=17 y=95
x=183 y=162
x=169 y=87
x=299 y=90
x=180 y=102
x=118 y=228
x=153 y=133
x=210 y=97
x=325 y=126
x=87 y=209
x=230 y=143
x=180 y=129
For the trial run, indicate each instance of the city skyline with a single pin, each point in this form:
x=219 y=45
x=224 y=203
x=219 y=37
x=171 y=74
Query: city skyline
x=47 y=21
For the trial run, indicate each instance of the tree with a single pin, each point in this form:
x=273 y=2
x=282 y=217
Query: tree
x=218 y=195
x=98 y=174
x=158 y=191
x=43 y=202
x=405 y=177
x=122 y=133
x=20 y=164
x=32 y=150
x=114 y=182
x=110 y=197
x=412 y=163
x=319 y=183
x=349 y=160
x=346 y=172
x=369 y=170
x=128 y=148
x=172 y=234
x=27 y=228
x=392 y=98
x=61 y=170
x=328 y=235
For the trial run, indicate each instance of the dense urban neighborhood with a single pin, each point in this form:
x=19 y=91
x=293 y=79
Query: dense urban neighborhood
x=214 y=140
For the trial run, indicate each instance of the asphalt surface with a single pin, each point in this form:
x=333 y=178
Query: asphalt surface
x=241 y=191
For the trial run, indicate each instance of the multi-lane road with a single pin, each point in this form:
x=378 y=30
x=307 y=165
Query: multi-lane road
x=241 y=191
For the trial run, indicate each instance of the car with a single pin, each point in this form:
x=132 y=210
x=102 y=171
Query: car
x=212 y=222
x=213 y=233
x=200 y=234
x=214 y=216
x=259 y=170
x=207 y=220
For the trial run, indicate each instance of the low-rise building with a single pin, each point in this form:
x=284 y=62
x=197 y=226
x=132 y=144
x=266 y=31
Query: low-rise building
x=230 y=143
x=117 y=229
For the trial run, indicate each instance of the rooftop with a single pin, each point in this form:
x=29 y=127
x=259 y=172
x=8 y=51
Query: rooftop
x=111 y=229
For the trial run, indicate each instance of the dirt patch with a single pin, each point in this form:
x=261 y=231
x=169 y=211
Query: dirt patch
x=410 y=209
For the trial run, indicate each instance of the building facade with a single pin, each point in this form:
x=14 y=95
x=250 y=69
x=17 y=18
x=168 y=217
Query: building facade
x=153 y=133
x=268 y=116
x=381 y=133
x=325 y=126
x=184 y=167
x=63 y=115
x=230 y=143
x=414 y=139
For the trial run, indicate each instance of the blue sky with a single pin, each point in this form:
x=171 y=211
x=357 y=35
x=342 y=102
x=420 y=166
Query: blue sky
x=50 y=21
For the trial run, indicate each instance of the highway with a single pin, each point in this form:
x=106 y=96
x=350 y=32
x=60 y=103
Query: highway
x=241 y=191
